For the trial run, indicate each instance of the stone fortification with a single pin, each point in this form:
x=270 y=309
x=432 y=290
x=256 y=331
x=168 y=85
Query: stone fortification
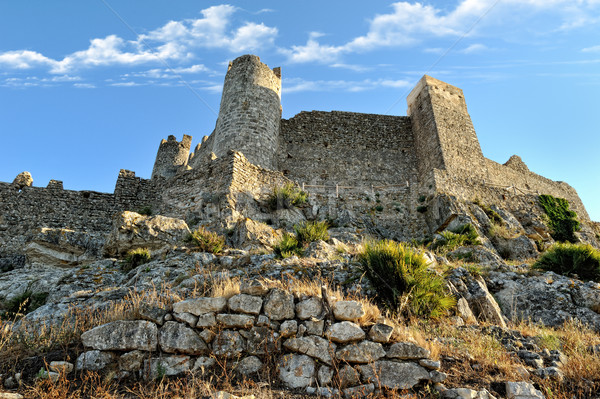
x=172 y=155
x=250 y=111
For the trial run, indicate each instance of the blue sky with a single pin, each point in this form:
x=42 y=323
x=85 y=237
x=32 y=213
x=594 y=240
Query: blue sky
x=90 y=87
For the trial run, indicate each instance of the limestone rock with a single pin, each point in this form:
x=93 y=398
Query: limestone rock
x=464 y=311
x=363 y=352
x=63 y=247
x=348 y=310
x=61 y=367
x=394 y=375
x=94 y=360
x=203 y=364
x=200 y=306
x=152 y=313
x=206 y=320
x=381 y=333
x=312 y=346
x=23 y=179
x=132 y=361
x=249 y=234
x=235 y=320
x=522 y=390
x=166 y=366
x=325 y=375
x=320 y=250
x=262 y=341
x=228 y=344
x=297 y=371
x=288 y=328
x=254 y=287
x=122 y=335
x=311 y=307
x=132 y=230
x=345 y=332
x=249 y=365
x=10 y=395
x=186 y=318
x=175 y=337
x=349 y=376
x=360 y=391
x=279 y=305
x=407 y=351
x=244 y=303
x=517 y=248
x=314 y=327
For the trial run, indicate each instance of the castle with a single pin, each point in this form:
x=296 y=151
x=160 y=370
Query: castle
x=346 y=161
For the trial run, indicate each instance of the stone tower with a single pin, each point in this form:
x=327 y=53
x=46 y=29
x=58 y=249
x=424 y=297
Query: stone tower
x=444 y=135
x=171 y=156
x=250 y=112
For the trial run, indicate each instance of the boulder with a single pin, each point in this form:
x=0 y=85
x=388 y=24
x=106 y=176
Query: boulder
x=279 y=305
x=393 y=375
x=175 y=337
x=249 y=365
x=320 y=250
x=349 y=376
x=122 y=335
x=522 y=390
x=22 y=180
x=200 y=306
x=407 y=351
x=228 y=344
x=311 y=307
x=516 y=248
x=348 y=310
x=244 y=303
x=381 y=333
x=297 y=371
x=312 y=346
x=345 y=332
x=157 y=233
x=363 y=352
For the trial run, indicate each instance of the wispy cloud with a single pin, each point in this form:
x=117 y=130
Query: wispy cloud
x=295 y=85
x=593 y=49
x=174 y=41
x=474 y=48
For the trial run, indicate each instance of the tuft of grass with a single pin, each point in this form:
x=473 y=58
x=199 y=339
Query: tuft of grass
x=22 y=304
x=145 y=210
x=206 y=241
x=286 y=197
x=561 y=220
x=403 y=281
x=288 y=246
x=568 y=259
x=307 y=232
x=459 y=237
x=136 y=257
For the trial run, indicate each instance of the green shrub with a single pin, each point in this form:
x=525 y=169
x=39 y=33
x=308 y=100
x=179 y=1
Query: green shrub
x=288 y=246
x=422 y=208
x=287 y=196
x=379 y=208
x=403 y=281
x=307 y=232
x=206 y=241
x=145 y=210
x=22 y=304
x=561 y=220
x=567 y=259
x=136 y=257
x=459 y=237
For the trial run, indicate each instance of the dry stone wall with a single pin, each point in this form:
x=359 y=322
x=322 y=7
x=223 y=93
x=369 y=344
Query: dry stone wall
x=316 y=344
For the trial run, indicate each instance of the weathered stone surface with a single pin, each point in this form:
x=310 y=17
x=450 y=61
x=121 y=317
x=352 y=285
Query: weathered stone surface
x=311 y=307
x=349 y=376
x=249 y=234
x=228 y=344
x=254 y=287
x=94 y=360
x=381 y=333
x=363 y=352
x=262 y=340
x=206 y=320
x=465 y=312
x=517 y=248
x=249 y=365
x=348 y=310
x=23 y=179
x=10 y=395
x=406 y=351
x=345 y=332
x=522 y=390
x=279 y=305
x=437 y=376
x=132 y=230
x=132 y=361
x=63 y=247
x=175 y=337
x=200 y=306
x=288 y=328
x=203 y=364
x=207 y=335
x=244 y=303
x=152 y=313
x=430 y=364
x=393 y=375
x=314 y=327
x=325 y=375
x=297 y=371
x=166 y=366
x=122 y=335
x=61 y=367
x=323 y=392
x=313 y=346
x=186 y=318
x=235 y=320
x=360 y=391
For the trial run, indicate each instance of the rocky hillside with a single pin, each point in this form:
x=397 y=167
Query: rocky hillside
x=161 y=307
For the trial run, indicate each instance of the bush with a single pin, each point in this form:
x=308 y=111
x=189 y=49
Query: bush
x=567 y=259
x=22 y=304
x=206 y=241
x=145 y=210
x=288 y=246
x=459 y=237
x=561 y=220
x=286 y=197
x=307 y=232
x=403 y=281
x=136 y=257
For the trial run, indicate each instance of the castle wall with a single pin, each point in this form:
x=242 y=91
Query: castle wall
x=250 y=112
x=347 y=148
x=172 y=155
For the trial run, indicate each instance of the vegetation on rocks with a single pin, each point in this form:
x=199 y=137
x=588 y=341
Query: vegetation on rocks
x=137 y=257
x=22 y=304
x=403 y=280
x=305 y=233
x=206 y=241
x=458 y=237
x=286 y=197
x=561 y=220
x=569 y=259
x=287 y=246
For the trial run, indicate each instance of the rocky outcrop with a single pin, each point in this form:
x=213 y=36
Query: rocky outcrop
x=63 y=247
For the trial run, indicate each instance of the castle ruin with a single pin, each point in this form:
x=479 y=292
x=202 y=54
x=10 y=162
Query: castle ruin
x=346 y=161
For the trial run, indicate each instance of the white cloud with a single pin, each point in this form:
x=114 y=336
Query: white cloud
x=174 y=41
x=295 y=85
x=474 y=48
x=84 y=85
x=593 y=49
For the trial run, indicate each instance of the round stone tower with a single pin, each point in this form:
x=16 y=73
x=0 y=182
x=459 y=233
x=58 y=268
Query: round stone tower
x=250 y=111
x=171 y=156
